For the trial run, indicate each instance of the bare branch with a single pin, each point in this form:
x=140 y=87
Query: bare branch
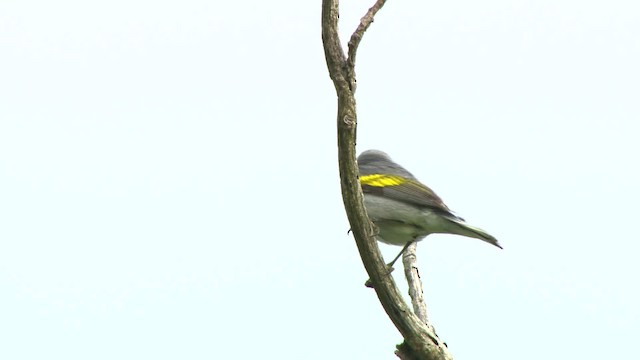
x=420 y=342
x=333 y=52
x=356 y=37
x=409 y=260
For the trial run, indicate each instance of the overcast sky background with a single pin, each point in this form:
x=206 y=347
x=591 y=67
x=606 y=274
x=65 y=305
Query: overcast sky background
x=169 y=184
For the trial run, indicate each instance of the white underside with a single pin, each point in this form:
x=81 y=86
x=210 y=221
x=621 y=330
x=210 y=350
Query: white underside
x=399 y=223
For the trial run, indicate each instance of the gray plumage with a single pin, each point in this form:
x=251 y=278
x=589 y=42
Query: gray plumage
x=408 y=210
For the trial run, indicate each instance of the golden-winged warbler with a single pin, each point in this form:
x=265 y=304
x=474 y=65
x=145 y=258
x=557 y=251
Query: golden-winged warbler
x=404 y=209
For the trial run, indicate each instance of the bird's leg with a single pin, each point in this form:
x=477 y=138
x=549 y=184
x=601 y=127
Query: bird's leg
x=369 y=284
x=390 y=265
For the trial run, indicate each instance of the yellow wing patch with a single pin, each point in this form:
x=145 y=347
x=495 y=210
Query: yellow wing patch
x=379 y=180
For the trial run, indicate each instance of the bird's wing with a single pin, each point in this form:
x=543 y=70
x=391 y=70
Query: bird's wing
x=403 y=189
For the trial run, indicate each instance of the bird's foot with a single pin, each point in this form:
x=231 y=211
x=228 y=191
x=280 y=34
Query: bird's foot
x=369 y=283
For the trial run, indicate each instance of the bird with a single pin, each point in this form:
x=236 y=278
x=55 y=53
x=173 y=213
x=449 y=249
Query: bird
x=405 y=210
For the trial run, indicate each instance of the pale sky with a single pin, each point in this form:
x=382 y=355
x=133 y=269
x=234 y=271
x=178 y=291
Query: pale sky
x=169 y=184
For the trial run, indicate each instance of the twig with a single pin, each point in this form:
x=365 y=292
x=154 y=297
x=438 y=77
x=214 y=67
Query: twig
x=409 y=260
x=356 y=37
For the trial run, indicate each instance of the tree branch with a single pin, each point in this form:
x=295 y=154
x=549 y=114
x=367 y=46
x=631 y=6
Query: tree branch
x=409 y=260
x=356 y=37
x=420 y=342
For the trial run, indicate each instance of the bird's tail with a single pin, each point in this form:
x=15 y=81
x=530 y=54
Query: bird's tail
x=460 y=227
